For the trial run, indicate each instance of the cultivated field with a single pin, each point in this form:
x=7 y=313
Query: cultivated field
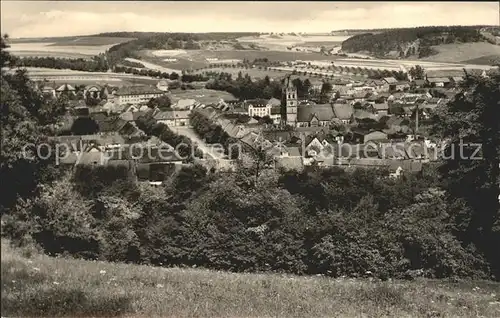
x=283 y=42
x=193 y=59
x=39 y=286
x=463 y=52
x=63 y=55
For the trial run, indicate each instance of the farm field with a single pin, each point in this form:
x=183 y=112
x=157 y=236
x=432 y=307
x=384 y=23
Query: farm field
x=63 y=55
x=44 y=47
x=35 y=285
x=281 y=42
x=463 y=52
x=193 y=59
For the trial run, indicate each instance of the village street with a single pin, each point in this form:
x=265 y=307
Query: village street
x=189 y=132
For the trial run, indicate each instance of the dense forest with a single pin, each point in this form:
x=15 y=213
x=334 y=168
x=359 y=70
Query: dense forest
x=405 y=40
x=442 y=222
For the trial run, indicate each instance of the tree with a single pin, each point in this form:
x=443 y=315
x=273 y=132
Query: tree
x=162 y=102
x=417 y=72
x=326 y=92
x=84 y=126
x=468 y=122
x=25 y=120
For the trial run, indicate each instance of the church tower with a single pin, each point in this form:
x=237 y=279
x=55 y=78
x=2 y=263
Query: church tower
x=290 y=101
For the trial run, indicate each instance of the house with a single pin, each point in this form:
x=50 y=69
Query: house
x=259 y=107
x=390 y=84
x=339 y=85
x=136 y=94
x=419 y=82
x=378 y=85
x=343 y=112
x=185 y=104
x=276 y=114
x=81 y=111
x=49 y=90
x=238 y=109
x=362 y=114
x=93 y=91
x=315 y=115
x=162 y=85
x=380 y=109
x=438 y=81
x=443 y=78
x=173 y=118
x=65 y=88
x=402 y=85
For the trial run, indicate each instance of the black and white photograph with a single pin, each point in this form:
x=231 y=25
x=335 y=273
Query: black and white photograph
x=250 y=159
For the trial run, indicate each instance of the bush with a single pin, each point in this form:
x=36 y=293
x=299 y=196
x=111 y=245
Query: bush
x=319 y=221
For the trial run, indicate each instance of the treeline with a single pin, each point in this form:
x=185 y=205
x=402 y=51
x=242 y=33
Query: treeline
x=243 y=87
x=96 y=64
x=128 y=63
x=214 y=134
x=187 y=78
x=393 y=40
x=210 y=36
x=146 y=72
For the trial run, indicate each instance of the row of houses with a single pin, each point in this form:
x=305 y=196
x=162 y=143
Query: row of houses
x=298 y=148
x=133 y=94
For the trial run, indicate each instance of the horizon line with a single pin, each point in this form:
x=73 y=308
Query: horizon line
x=276 y=32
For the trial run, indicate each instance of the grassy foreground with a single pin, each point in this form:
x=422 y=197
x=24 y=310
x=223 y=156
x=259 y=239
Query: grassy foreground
x=37 y=285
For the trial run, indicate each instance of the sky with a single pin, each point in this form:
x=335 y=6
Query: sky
x=65 y=18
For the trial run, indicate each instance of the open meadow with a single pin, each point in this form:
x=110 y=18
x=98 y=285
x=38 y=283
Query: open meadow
x=464 y=52
x=204 y=96
x=35 y=285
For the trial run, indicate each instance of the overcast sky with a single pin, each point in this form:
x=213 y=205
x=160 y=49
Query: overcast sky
x=61 y=18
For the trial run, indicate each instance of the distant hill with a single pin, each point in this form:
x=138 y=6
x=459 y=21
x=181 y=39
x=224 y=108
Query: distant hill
x=421 y=42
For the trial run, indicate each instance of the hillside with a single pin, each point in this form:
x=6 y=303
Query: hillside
x=38 y=285
x=422 y=42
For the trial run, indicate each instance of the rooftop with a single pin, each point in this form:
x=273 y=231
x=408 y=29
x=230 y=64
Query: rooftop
x=137 y=90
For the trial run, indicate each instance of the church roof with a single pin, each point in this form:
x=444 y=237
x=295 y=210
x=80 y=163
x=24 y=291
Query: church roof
x=321 y=112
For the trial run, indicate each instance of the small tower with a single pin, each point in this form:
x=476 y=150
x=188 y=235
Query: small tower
x=290 y=101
